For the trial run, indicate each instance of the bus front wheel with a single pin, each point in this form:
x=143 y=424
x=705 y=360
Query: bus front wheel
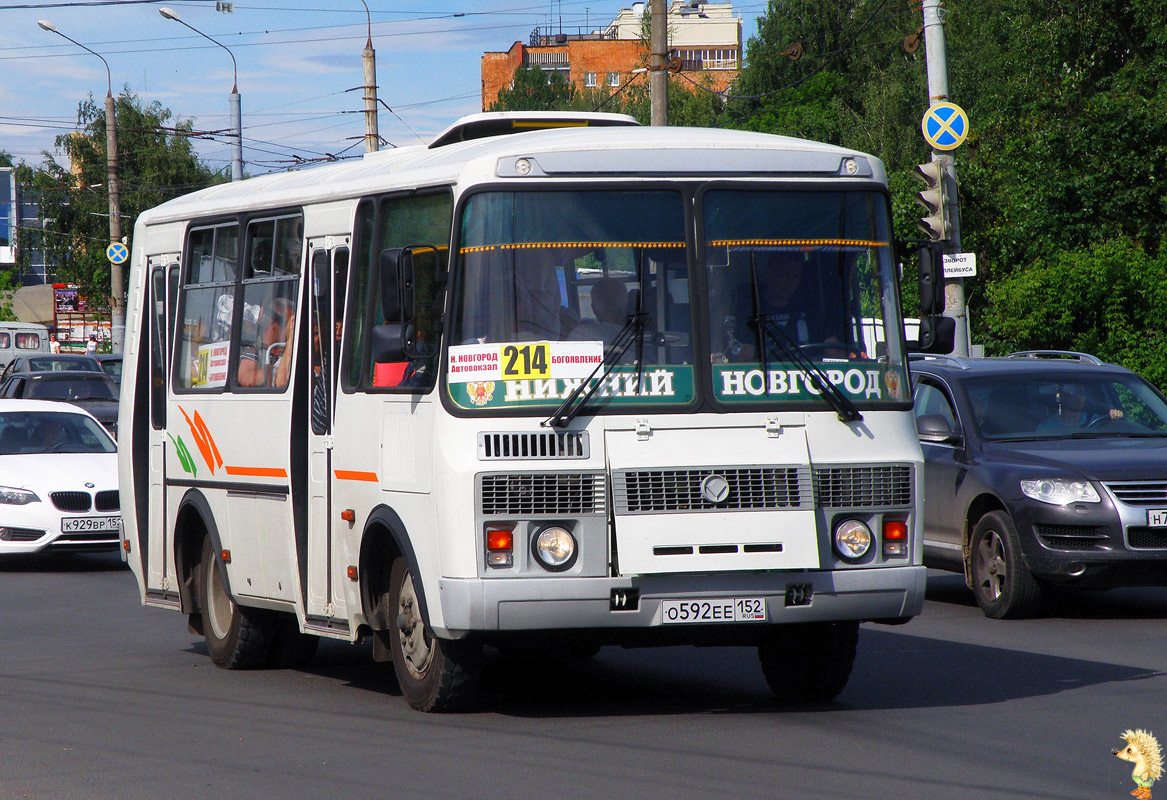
x=237 y=637
x=434 y=674
x=809 y=663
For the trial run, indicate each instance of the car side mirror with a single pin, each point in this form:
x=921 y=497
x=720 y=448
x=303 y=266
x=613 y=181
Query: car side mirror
x=935 y=429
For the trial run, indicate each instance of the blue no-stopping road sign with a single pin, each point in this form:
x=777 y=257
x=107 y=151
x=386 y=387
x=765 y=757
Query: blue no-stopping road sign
x=945 y=125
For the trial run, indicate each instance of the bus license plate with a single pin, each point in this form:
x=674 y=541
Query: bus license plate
x=84 y=524
x=738 y=609
x=1157 y=517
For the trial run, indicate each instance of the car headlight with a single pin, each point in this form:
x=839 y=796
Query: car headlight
x=1060 y=491
x=852 y=539
x=17 y=497
x=554 y=548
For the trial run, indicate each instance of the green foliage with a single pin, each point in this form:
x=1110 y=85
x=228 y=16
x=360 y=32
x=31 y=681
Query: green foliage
x=535 y=90
x=1105 y=298
x=156 y=163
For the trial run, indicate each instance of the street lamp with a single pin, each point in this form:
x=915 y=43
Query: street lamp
x=116 y=271
x=236 y=114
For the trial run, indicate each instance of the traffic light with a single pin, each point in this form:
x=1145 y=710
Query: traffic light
x=934 y=199
x=931 y=272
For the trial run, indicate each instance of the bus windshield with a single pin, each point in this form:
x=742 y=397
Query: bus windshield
x=548 y=283
x=557 y=288
x=801 y=292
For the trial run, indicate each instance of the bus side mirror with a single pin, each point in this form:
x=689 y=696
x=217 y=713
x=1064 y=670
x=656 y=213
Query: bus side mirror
x=392 y=285
x=387 y=343
x=931 y=273
x=937 y=335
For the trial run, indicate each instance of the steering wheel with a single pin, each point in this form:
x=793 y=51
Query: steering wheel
x=1099 y=422
x=59 y=447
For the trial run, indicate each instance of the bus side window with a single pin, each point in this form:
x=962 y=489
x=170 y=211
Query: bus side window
x=267 y=326
x=207 y=302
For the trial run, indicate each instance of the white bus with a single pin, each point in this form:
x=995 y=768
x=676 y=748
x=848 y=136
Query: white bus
x=549 y=382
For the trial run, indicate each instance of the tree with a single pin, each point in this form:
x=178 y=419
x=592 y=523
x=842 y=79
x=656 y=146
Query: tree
x=156 y=163
x=533 y=89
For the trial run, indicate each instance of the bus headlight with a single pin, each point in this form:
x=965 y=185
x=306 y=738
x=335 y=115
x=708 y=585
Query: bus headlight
x=852 y=539
x=554 y=548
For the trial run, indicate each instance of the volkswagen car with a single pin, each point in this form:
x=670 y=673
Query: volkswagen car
x=1041 y=469
x=58 y=480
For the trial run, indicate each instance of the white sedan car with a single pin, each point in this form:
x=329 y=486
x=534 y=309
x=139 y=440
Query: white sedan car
x=58 y=480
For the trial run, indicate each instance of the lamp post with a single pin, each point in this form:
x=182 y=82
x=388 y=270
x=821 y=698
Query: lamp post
x=116 y=271
x=236 y=113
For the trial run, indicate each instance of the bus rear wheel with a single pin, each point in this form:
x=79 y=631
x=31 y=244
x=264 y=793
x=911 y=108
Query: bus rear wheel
x=434 y=674
x=809 y=663
x=237 y=637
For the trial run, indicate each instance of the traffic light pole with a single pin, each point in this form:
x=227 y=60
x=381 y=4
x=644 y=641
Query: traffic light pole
x=937 y=65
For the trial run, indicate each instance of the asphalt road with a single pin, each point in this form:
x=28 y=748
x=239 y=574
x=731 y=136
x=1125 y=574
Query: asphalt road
x=101 y=698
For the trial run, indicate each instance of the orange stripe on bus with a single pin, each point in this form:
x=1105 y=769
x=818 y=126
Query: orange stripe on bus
x=257 y=472
x=354 y=475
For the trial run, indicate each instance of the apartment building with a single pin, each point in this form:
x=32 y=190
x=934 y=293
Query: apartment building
x=705 y=38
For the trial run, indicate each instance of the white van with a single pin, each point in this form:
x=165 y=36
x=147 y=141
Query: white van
x=18 y=338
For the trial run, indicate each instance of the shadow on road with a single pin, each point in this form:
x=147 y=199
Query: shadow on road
x=1062 y=603
x=62 y=562
x=894 y=670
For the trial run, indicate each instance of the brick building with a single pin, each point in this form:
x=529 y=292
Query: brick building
x=706 y=39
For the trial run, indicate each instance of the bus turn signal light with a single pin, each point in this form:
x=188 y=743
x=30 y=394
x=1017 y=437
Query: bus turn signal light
x=895 y=537
x=500 y=543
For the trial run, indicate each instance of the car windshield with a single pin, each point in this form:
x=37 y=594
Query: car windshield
x=50 y=364
x=31 y=432
x=71 y=390
x=1070 y=405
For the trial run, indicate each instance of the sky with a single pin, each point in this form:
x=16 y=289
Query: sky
x=299 y=67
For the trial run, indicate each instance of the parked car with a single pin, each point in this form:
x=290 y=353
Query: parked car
x=58 y=480
x=111 y=365
x=1041 y=468
x=93 y=391
x=51 y=362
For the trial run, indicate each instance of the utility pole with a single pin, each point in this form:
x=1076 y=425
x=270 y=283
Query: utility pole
x=369 y=56
x=658 y=75
x=117 y=272
x=937 y=64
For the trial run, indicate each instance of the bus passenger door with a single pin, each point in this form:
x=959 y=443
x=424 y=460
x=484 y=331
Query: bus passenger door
x=329 y=271
x=158 y=554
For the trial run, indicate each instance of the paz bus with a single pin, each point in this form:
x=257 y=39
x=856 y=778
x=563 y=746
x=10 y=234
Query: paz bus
x=549 y=382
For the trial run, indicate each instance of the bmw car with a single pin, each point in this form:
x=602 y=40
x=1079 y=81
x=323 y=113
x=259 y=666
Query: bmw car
x=58 y=480
x=1041 y=469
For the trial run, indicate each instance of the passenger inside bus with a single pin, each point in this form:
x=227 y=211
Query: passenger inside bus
x=267 y=361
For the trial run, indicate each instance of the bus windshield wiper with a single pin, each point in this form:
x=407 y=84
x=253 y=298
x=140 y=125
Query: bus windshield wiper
x=632 y=331
x=842 y=404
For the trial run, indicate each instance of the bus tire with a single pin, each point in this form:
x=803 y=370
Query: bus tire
x=237 y=637
x=434 y=674
x=809 y=663
x=290 y=648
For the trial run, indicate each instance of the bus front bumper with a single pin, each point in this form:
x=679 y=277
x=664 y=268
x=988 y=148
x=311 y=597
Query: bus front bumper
x=640 y=602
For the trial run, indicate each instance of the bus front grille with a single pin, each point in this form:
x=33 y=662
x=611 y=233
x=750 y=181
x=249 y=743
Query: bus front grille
x=541 y=494
x=508 y=446
x=681 y=490
x=863 y=487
